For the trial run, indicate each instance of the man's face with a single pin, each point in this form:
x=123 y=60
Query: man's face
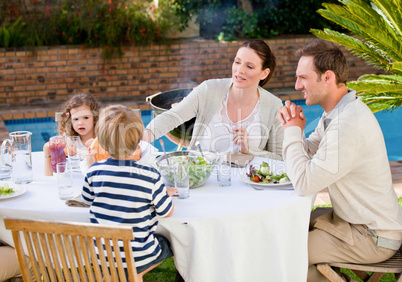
x=309 y=82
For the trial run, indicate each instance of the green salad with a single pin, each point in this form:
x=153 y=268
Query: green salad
x=199 y=170
x=263 y=174
x=6 y=190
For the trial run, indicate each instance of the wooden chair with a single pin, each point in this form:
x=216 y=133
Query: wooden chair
x=66 y=251
x=393 y=265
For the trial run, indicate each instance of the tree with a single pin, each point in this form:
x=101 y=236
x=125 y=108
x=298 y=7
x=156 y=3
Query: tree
x=377 y=38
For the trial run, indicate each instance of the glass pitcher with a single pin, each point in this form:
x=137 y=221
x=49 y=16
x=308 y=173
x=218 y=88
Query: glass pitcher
x=56 y=149
x=21 y=157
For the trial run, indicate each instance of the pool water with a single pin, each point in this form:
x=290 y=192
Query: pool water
x=43 y=128
x=390 y=123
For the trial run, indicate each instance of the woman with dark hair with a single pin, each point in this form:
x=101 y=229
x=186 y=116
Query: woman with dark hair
x=234 y=114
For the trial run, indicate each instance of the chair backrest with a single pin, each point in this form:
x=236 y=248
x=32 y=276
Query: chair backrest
x=67 y=251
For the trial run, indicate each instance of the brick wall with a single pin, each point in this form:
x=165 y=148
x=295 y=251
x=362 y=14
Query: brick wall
x=53 y=73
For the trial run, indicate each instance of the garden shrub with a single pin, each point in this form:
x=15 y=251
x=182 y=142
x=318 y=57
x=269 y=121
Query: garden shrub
x=224 y=20
x=96 y=23
x=111 y=24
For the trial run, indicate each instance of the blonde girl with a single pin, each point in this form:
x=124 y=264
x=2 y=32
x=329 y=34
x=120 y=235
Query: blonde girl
x=79 y=116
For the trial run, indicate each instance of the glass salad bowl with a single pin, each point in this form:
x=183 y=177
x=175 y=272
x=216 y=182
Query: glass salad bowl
x=199 y=171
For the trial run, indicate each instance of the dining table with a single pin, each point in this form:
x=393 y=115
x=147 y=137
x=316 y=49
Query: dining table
x=233 y=233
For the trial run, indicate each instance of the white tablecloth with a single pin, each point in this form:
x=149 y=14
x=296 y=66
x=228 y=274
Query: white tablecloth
x=230 y=233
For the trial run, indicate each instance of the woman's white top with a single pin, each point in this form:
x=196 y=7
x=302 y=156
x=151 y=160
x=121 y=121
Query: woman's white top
x=219 y=132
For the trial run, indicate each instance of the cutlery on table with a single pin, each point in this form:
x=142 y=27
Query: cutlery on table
x=164 y=151
x=199 y=148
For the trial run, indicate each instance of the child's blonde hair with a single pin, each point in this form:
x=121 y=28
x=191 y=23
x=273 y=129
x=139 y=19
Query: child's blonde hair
x=75 y=101
x=119 y=131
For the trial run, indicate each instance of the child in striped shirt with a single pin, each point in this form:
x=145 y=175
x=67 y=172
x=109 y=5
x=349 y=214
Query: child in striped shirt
x=121 y=191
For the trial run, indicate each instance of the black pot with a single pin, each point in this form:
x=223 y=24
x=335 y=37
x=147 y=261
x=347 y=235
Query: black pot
x=162 y=101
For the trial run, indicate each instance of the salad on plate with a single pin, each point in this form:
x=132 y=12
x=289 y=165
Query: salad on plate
x=6 y=190
x=263 y=174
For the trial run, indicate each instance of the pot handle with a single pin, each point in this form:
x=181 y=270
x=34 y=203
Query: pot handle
x=149 y=98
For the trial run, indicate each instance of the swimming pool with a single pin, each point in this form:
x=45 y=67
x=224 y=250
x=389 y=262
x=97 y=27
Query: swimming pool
x=390 y=123
x=43 y=128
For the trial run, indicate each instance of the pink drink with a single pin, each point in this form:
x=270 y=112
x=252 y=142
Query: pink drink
x=56 y=147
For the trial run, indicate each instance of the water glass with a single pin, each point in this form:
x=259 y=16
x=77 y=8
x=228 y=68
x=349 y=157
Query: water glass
x=6 y=166
x=224 y=174
x=73 y=152
x=181 y=179
x=64 y=181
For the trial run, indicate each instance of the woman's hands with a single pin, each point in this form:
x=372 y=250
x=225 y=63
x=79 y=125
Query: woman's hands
x=240 y=138
x=148 y=136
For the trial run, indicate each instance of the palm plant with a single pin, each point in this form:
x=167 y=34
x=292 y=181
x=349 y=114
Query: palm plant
x=377 y=28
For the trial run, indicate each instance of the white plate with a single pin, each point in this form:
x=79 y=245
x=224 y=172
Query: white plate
x=18 y=190
x=275 y=166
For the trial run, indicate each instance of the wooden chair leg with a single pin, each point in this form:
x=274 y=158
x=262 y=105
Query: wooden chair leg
x=361 y=274
x=329 y=273
x=375 y=277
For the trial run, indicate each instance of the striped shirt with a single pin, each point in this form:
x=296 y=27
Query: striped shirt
x=123 y=192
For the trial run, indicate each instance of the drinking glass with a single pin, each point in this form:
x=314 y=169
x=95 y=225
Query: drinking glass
x=6 y=167
x=64 y=181
x=224 y=174
x=73 y=152
x=181 y=179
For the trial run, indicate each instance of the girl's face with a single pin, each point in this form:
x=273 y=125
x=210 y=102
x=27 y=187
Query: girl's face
x=82 y=120
x=247 y=69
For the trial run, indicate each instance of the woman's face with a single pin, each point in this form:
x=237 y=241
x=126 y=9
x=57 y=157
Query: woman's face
x=82 y=120
x=247 y=69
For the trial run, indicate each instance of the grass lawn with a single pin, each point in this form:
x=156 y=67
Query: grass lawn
x=166 y=272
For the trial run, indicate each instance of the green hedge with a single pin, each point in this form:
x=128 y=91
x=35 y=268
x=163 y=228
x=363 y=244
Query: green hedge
x=110 y=24
x=225 y=20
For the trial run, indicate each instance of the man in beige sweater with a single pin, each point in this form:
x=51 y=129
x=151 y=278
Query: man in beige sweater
x=345 y=153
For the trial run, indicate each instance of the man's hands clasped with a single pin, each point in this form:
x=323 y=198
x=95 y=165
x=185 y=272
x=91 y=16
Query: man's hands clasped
x=291 y=115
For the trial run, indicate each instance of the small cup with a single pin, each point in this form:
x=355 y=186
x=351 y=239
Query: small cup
x=64 y=181
x=181 y=179
x=224 y=173
x=73 y=152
